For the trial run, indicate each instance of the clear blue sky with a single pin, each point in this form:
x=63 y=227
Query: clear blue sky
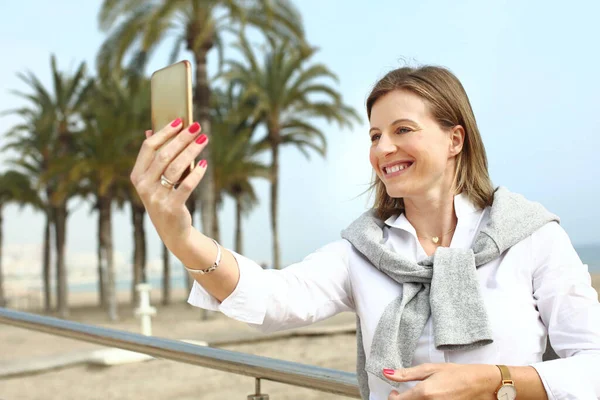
x=530 y=69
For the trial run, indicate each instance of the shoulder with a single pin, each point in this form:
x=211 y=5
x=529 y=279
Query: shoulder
x=549 y=241
x=342 y=250
x=554 y=253
x=552 y=231
x=550 y=238
x=339 y=250
x=340 y=246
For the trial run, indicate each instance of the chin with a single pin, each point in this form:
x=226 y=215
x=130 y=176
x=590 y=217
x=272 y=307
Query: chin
x=396 y=192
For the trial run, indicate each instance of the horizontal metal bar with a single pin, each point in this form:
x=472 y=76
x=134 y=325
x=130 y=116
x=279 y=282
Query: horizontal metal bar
x=312 y=377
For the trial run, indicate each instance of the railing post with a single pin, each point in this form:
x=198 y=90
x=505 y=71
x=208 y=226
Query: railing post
x=257 y=395
x=145 y=311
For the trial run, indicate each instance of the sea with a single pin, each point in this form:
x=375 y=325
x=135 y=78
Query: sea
x=177 y=282
x=589 y=254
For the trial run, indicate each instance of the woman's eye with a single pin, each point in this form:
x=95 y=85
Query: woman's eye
x=375 y=137
x=402 y=130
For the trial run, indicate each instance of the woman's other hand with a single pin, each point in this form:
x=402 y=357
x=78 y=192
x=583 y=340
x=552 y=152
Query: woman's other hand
x=447 y=381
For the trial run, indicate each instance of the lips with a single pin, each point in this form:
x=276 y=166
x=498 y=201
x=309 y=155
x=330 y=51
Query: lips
x=396 y=168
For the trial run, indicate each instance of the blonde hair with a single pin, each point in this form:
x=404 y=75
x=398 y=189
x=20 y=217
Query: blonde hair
x=449 y=106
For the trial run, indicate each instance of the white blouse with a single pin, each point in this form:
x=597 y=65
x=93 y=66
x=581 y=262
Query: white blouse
x=539 y=287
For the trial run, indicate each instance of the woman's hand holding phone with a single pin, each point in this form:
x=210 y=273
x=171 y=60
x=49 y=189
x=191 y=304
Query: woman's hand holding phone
x=165 y=174
x=164 y=203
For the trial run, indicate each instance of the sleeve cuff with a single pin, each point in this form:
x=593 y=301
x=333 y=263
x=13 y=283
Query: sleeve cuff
x=563 y=381
x=248 y=301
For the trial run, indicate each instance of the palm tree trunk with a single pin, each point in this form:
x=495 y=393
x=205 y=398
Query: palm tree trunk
x=191 y=205
x=106 y=253
x=60 y=227
x=139 y=253
x=166 y=278
x=101 y=268
x=216 y=233
x=238 y=224
x=46 y=263
x=202 y=102
x=274 y=205
x=2 y=294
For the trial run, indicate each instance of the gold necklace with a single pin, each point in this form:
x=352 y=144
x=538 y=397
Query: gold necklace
x=435 y=239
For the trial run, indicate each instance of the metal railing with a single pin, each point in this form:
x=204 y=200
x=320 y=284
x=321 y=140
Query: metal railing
x=312 y=377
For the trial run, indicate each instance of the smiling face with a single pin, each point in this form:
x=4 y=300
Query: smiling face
x=410 y=152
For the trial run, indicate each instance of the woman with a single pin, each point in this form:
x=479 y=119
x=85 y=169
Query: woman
x=456 y=284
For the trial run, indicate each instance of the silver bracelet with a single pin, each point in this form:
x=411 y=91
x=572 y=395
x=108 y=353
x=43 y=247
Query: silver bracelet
x=213 y=267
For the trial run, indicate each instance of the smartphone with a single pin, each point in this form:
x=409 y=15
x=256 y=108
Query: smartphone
x=171 y=98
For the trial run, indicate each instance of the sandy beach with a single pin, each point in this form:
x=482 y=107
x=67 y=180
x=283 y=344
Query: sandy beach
x=161 y=379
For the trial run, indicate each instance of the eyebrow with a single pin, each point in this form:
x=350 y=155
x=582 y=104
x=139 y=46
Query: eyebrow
x=396 y=122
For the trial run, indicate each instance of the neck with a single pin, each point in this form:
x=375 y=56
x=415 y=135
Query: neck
x=432 y=216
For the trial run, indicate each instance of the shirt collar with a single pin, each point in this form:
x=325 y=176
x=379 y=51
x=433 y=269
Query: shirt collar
x=462 y=206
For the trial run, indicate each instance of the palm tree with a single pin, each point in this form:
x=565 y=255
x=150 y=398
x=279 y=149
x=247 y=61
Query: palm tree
x=198 y=25
x=63 y=105
x=166 y=278
x=235 y=156
x=289 y=92
x=100 y=163
x=115 y=115
x=131 y=102
x=15 y=187
x=137 y=95
x=138 y=211
x=33 y=141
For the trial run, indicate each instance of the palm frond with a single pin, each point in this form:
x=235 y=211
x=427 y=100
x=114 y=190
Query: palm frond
x=123 y=38
x=179 y=41
x=111 y=10
x=277 y=18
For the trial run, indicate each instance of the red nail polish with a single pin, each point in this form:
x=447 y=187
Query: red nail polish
x=195 y=127
x=387 y=371
x=203 y=163
x=176 y=122
x=201 y=139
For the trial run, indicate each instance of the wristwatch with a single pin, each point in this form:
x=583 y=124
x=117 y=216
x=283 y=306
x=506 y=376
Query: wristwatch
x=507 y=390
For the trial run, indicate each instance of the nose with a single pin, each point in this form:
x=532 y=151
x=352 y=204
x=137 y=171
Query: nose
x=385 y=146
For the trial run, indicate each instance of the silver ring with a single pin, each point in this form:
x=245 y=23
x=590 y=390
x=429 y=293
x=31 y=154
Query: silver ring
x=166 y=182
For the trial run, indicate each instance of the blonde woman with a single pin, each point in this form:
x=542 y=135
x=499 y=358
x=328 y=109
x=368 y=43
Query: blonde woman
x=456 y=284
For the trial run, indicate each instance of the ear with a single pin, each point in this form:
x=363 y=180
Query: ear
x=457 y=139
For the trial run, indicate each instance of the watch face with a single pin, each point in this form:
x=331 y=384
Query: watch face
x=507 y=392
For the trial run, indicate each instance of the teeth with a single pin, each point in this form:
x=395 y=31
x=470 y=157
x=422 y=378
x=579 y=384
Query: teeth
x=395 y=168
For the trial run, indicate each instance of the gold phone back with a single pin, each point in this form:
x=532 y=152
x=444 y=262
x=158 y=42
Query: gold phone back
x=171 y=95
x=171 y=98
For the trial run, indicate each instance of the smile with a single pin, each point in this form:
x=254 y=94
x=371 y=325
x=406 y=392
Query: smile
x=392 y=170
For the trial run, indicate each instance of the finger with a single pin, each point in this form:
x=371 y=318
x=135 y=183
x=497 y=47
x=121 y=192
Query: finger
x=151 y=144
x=166 y=155
x=180 y=165
x=413 y=393
x=148 y=133
x=417 y=373
x=190 y=182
